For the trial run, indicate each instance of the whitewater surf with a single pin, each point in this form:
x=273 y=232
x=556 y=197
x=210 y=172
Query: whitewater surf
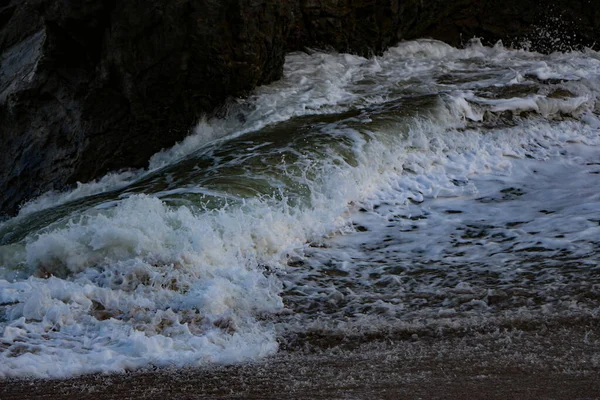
x=429 y=189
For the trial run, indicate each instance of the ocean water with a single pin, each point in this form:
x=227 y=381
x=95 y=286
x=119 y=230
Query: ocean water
x=427 y=190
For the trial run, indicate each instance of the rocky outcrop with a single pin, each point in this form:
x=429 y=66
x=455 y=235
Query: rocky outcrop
x=89 y=86
x=544 y=26
x=370 y=26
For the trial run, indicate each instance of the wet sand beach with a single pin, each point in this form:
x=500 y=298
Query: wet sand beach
x=545 y=359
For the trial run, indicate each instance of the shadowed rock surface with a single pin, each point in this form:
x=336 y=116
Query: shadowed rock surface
x=93 y=86
x=87 y=87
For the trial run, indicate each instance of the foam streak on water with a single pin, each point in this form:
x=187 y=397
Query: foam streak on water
x=427 y=184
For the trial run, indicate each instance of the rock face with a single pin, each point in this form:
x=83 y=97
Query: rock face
x=369 y=26
x=543 y=25
x=90 y=86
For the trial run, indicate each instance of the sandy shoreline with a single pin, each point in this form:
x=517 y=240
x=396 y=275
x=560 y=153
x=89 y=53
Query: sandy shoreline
x=551 y=361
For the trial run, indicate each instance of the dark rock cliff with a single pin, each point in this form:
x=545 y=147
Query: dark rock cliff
x=89 y=86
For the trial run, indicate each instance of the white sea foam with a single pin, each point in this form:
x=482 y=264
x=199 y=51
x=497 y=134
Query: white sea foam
x=490 y=226
x=539 y=104
x=142 y=283
x=323 y=83
x=108 y=182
